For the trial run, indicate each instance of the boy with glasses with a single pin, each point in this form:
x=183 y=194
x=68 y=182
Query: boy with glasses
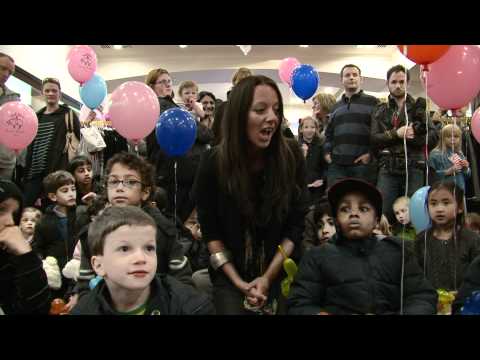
x=130 y=181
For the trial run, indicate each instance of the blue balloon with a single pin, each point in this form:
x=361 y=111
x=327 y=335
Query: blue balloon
x=419 y=209
x=176 y=131
x=93 y=92
x=305 y=81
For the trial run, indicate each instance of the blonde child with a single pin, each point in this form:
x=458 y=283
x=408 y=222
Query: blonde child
x=403 y=228
x=447 y=159
x=188 y=91
x=30 y=217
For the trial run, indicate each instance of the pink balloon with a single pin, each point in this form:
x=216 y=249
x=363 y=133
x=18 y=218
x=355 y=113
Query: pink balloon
x=286 y=68
x=475 y=125
x=454 y=79
x=134 y=110
x=18 y=125
x=82 y=63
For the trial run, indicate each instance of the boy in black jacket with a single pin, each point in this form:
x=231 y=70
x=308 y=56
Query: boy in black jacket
x=123 y=247
x=130 y=181
x=356 y=273
x=54 y=234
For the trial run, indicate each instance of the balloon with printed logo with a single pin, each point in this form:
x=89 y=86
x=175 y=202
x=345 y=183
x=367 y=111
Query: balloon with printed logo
x=93 y=92
x=176 y=130
x=18 y=125
x=81 y=63
x=134 y=110
x=423 y=54
x=419 y=210
x=286 y=68
x=305 y=81
x=454 y=79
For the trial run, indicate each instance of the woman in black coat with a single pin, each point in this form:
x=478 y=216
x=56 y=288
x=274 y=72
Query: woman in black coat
x=23 y=282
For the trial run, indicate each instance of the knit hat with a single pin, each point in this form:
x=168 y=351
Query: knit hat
x=338 y=190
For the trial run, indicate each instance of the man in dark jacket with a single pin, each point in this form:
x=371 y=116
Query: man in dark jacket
x=347 y=138
x=356 y=273
x=123 y=244
x=46 y=153
x=389 y=127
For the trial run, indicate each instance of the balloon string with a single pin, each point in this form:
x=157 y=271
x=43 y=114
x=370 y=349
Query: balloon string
x=455 y=199
x=425 y=73
x=175 y=199
x=406 y=190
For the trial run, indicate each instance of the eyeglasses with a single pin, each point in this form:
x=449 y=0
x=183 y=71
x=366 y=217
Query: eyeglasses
x=128 y=183
x=164 y=82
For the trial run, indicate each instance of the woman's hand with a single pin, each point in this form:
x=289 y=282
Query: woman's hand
x=12 y=240
x=259 y=291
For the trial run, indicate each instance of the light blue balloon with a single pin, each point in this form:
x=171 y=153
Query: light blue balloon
x=93 y=92
x=419 y=210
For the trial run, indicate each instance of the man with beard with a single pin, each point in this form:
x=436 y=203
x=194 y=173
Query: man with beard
x=389 y=129
x=347 y=138
x=207 y=99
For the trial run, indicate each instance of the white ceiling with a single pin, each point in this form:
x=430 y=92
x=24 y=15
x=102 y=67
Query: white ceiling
x=212 y=66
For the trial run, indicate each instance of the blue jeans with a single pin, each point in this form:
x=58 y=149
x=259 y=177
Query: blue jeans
x=393 y=186
x=364 y=172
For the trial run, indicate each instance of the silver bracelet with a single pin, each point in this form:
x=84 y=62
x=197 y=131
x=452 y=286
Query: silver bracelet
x=219 y=259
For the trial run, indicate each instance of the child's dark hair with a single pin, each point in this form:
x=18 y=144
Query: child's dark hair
x=161 y=198
x=136 y=163
x=454 y=190
x=56 y=180
x=77 y=161
x=110 y=220
x=321 y=209
x=97 y=205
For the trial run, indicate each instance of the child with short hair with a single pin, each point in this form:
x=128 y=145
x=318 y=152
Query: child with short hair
x=403 y=228
x=81 y=169
x=130 y=181
x=123 y=245
x=54 y=234
x=30 y=217
x=447 y=159
x=188 y=91
x=448 y=248
x=354 y=273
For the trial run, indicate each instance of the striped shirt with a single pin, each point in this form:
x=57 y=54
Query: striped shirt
x=348 y=133
x=41 y=146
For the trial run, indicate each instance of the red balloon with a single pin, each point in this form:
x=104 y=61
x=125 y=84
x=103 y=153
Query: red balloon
x=423 y=54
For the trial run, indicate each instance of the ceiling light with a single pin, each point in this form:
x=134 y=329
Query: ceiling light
x=304 y=46
x=245 y=49
x=366 y=46
x=118 y=47
x=182 y=46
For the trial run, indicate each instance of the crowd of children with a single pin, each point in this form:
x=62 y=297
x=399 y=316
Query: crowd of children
x=116 y=244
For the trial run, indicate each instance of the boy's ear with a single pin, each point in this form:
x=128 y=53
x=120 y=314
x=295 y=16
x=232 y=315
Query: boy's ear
x=146 y=193
x=52 y=197
x=97 y=265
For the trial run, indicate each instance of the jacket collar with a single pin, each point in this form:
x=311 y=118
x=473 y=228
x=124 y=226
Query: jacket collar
x=393 y=104
x=356 y=95
x=157 y=303
x=360 y=246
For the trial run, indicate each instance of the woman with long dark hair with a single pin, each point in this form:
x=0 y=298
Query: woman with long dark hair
x=251 y=196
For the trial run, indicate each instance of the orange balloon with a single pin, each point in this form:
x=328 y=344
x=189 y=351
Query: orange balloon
x=423 y=54
x=57 y=307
